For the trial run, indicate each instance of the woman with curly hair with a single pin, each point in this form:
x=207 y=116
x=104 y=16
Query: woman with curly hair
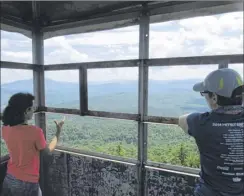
x=24 y=143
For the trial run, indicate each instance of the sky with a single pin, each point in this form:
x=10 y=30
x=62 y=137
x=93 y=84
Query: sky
x=198 y=36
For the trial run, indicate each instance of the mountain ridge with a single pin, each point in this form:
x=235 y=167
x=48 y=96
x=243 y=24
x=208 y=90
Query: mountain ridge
x=169 y=98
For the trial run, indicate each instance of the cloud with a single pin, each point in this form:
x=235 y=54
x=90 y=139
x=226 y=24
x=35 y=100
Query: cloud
x=63 y=75
x=209 y=35
x=21 y=57
x=101 y=38
x=239 y=68
x=187 y=72
x=4 y=43
x=215 y=24
x=11 y=75
x=65 y=54
x=235 y=46
x=199 y=36
x=181 y=72
x=106 y=38
x=15 y=48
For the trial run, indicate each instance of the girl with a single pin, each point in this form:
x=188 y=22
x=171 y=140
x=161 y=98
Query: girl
x=25 y=143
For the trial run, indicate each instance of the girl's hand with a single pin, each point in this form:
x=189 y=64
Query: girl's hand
x=59 y=125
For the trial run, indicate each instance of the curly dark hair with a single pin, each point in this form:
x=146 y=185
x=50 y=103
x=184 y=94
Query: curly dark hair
x=14 y=113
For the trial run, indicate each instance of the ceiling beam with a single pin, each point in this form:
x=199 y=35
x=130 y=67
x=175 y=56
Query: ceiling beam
x=15 y=23
x=98 y=12
x=159 y=12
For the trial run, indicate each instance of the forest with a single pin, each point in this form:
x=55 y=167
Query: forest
x=166 y=143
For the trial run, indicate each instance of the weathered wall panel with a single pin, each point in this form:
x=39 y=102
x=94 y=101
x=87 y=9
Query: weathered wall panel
x=163 y=183
x=73 y=175
x=115 y=179
x=56 y=175
x=80 y=175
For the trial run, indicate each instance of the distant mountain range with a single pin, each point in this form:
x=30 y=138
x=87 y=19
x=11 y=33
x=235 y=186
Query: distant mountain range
x=166 y=98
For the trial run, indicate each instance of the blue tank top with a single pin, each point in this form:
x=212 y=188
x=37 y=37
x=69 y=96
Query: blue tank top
x=220 y=140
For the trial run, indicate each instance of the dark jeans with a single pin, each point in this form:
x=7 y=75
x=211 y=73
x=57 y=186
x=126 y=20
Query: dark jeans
x=15 y=187
x=202 y=190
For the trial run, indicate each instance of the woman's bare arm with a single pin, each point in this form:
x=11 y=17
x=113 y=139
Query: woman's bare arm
x=52 y=145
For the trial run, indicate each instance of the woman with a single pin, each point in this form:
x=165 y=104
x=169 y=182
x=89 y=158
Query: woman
x=25 y=143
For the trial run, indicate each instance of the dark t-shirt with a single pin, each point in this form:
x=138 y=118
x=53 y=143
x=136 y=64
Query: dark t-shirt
x=220 y=140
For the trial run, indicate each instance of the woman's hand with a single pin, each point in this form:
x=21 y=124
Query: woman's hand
x=59 y=125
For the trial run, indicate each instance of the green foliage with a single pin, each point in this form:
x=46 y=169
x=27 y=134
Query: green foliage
x=3 y=148
x=166 y=143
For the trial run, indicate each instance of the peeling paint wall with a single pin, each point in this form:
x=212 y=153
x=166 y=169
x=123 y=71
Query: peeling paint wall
x=70 y=175
x=169 y=184
x=73 y=175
